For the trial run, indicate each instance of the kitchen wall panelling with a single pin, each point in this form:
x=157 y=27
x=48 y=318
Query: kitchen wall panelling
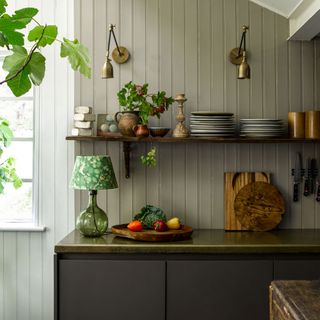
x=182 y=46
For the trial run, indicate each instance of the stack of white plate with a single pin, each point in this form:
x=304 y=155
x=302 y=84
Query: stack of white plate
x=212 y=124
x=261 y=128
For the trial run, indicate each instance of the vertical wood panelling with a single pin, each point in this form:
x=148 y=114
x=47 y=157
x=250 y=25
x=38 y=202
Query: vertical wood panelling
x=191 y=89
x=152 y=77
x=182 y=46
x=165 y=150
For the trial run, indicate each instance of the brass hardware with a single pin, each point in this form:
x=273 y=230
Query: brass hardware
x=234 y=57
x=119 y=55
x=238 y=56
x=107 y=70
x=244 y=68
x=120 y=58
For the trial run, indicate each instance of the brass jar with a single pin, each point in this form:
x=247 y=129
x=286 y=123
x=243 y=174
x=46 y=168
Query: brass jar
x=141 y=131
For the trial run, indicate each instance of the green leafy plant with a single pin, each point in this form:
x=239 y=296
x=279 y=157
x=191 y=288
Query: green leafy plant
x=150 y=159
x=148 y=215
x=133 y=97
x=7 y=167
x=27 y=67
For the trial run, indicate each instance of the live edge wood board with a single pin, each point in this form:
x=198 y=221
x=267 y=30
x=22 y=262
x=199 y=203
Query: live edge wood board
x=233 y=182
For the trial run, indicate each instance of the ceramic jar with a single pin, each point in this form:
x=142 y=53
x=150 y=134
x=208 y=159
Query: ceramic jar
x=126 y=122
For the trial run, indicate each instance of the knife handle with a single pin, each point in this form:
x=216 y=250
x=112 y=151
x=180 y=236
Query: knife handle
x=306 y=191
x=318 y=193
x=295 y=192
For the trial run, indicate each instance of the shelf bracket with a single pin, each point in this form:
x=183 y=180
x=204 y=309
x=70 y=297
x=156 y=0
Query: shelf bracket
x=127 y=152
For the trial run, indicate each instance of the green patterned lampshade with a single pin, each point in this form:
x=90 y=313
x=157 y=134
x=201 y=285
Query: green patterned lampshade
x=93 y=173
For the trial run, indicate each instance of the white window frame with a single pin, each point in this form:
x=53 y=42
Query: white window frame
x=34 y=223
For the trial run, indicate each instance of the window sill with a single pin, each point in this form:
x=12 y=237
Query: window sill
x=23 y=227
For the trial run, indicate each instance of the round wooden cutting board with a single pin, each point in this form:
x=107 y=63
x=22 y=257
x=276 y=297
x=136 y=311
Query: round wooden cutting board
x=259 y=206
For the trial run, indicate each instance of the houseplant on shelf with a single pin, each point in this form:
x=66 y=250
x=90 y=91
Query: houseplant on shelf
x=26 y=67
x=137 y=105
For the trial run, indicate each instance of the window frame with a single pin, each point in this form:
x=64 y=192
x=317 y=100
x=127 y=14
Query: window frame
x=32 y=224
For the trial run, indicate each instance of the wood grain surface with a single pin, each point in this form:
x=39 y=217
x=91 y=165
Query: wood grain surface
x=259 y=206
x=295 y=300
x=151 y=235
x=233 y=182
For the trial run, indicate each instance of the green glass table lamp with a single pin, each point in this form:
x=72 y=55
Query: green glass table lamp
x=93 y=173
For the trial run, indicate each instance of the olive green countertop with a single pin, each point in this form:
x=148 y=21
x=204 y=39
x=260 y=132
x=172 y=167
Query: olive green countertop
x=201 y=242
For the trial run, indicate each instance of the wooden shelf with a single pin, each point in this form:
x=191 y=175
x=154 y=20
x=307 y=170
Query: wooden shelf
x=191 y=139
x=127 y=141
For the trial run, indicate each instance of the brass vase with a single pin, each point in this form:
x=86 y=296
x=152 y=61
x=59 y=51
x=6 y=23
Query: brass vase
x=126 y=122
x=141 y=131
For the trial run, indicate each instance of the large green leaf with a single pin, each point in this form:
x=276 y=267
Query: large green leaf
x=37 y=68
x=15 y=61
x=3 y=40
x=8 y=29
x=78 y=56
x=48 y=33
x=3 y=4
x=24 y=15
x=21 y=84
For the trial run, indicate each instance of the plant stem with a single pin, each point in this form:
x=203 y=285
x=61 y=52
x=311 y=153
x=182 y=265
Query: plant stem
x=33 y=49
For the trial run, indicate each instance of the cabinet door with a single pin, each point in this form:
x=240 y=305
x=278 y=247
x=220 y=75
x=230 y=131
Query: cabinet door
x=222 y=290
x=297 y=269
x=104 y=289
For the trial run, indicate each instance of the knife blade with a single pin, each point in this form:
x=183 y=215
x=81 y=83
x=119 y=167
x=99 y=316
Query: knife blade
x=297 y=177
x=307 y=179
x=314 y=174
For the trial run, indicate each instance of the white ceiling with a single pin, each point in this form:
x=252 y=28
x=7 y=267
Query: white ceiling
x=283 y=7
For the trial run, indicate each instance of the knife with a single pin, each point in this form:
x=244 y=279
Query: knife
x=314 y=174
x=297 y=177
x=308 y=179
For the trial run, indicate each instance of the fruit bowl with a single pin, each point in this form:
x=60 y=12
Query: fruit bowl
x=158 y=131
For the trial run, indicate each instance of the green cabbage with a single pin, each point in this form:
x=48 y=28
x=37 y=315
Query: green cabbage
x=148 y=215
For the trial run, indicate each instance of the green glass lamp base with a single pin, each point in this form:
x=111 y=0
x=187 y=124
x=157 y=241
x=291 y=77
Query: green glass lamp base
x=92 y=222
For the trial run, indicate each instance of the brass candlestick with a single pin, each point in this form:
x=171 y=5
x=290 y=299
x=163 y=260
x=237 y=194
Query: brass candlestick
x=180 y=130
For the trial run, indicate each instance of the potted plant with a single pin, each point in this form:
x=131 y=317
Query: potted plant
x=137 y=105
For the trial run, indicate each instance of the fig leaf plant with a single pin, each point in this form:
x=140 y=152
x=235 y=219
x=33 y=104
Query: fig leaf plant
x=25 y=65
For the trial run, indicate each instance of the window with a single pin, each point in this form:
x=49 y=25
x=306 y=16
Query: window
x=17 y=205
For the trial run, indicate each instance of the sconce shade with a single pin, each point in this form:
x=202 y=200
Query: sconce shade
x=244 y=68
x=93 y=173
x=107 y=70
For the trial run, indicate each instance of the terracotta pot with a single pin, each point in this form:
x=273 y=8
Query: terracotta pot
x=126 y=122
x=141 y=131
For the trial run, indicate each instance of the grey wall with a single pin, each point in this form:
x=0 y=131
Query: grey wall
x=182 y=46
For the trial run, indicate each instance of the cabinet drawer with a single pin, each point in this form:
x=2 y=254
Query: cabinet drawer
x=107 y=289
x=219 y=289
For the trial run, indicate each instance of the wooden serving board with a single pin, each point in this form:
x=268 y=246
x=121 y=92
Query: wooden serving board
x=233 y=182
x=259 y=206
x=183 y=233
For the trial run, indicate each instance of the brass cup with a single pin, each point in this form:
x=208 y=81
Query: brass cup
x=296 y=124
x=312 y=124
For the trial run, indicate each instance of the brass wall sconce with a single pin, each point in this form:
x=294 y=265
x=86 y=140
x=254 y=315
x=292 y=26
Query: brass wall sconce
x=119 y=55
x=238 y=56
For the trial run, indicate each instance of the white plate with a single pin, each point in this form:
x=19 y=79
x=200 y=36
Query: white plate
x=213 y=135
x=256 y=120
x=209 y=113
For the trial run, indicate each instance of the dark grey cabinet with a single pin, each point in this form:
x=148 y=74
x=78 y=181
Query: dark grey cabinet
x=108 y=289
x=296 y=269
x=172 y=287
x=222 y=290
